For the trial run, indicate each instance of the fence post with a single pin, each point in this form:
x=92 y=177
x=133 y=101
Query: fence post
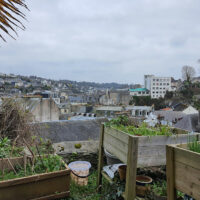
x=171 y=190
x=130 y=190
x=100 y=161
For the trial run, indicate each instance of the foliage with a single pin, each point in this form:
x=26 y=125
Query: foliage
x=7 y=150
x=160 y=188
x=44 y=164
x=89 y=192
x=14 y=120
x=194 y=145
x=122 y=123
x=148 y=101
x=188 y=73
x=169 y=94
x=9 y=13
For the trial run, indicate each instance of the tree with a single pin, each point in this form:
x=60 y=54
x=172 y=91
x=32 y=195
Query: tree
x=188 y=72
x=9 y=12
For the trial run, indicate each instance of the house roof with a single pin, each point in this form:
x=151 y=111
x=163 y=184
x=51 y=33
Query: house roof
x=170 y=116
x=69 y=130
x=188 y=122
x=139 y=90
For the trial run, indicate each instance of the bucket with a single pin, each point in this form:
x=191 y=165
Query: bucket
x=111 y=159
x=80 y=172
x=122 y=172
x=142 y=185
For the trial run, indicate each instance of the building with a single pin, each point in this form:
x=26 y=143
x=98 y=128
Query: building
x=108 y=111
x=113 y=98
x=140 y=111
x=158 y=86
x=139 y=92
x=42 y=109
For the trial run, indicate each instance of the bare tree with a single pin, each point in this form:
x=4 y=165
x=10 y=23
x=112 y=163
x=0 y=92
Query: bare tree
x=9 y=12
x=188 y=72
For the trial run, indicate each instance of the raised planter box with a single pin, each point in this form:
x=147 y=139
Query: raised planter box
x=44 y=186
x=137 y=151
x=183 y=171
x=151 y=149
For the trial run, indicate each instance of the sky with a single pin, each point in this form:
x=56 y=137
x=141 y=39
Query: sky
x=105 y=40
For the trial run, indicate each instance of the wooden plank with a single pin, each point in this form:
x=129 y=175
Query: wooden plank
x=171 y=191
x=36 y=189
x=100 y=161
x=117 y=134
x=162 y=140
x=116 y=152
x=118 y=145
x=187 y=157
x=130 y=190
x=107 y=177
x=54 y=196
x=34 y=178
x=187 y=179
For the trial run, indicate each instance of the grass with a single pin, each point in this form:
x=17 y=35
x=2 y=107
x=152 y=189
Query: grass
x=89 y=192
x=194 y=145
x=160 y=189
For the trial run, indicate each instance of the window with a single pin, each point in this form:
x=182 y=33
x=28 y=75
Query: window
x=160 y=83
x=164 y=83
x=153 y=83
x=167 y=83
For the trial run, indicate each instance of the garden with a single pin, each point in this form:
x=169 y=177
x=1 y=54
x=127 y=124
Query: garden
x=28 y=163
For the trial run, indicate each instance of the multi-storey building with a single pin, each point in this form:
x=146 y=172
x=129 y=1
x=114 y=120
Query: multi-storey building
x=158 y=85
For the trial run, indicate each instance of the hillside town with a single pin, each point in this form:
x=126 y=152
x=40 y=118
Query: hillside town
x=51 y=100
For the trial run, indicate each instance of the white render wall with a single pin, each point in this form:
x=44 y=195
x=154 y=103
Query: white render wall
x=159 y=86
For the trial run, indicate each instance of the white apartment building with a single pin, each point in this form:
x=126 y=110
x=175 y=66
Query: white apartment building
x=158 y=85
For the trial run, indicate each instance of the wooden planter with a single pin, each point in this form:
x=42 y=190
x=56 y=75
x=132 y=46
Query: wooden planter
x=137 y=151
x=151 y=149
x=183 y=171
x=44 y=186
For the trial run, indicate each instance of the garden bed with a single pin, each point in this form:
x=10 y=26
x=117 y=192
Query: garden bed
x=43 y=186
x=183 y=171
x=138 y=147
x=151 y=150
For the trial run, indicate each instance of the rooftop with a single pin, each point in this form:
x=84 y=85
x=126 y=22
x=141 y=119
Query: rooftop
x=139 y=90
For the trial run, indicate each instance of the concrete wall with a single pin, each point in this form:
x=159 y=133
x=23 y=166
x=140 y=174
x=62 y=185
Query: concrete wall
x=46 y=110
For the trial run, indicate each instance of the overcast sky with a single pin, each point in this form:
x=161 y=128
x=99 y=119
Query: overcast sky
x=105 y=40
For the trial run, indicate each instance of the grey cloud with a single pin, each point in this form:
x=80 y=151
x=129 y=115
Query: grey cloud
x=104 y=40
